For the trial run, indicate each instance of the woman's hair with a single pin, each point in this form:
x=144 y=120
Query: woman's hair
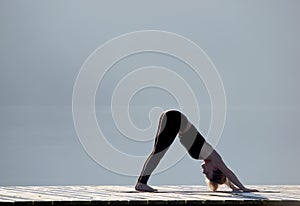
x=217 y=179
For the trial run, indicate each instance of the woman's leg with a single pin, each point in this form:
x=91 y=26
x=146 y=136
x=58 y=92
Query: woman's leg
x=168 y=128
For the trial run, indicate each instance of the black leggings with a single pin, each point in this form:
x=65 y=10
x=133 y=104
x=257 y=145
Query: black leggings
x=170 y=124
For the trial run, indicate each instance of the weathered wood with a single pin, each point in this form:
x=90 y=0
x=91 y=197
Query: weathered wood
x=166 y=195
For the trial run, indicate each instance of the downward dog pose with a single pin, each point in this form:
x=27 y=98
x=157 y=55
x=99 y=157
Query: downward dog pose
x=173 y=122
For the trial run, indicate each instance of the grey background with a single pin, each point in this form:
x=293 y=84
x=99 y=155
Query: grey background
x=254 y=45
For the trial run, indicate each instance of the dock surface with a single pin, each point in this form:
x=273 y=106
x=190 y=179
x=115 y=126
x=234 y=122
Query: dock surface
x=166 y=195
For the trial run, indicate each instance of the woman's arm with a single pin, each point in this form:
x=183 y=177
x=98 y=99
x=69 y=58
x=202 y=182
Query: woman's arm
x=216 y=158
x=230 y=185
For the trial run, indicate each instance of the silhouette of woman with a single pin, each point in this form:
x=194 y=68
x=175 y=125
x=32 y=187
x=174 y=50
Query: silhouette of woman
x=171 y=123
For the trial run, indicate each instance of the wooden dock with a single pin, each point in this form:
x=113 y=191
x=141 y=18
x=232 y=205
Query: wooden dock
x=166 y=195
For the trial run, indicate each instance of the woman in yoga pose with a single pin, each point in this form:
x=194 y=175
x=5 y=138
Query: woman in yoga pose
x=173 y=122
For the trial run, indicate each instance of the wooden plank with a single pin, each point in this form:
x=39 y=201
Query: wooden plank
x=167 y=194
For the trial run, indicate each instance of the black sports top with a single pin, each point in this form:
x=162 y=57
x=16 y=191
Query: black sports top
x=193 y=141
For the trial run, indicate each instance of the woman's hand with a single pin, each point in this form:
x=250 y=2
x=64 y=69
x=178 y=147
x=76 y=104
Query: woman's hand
x=249 y=190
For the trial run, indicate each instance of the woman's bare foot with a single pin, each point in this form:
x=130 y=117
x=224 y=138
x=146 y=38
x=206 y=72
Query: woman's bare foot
x=144 y=188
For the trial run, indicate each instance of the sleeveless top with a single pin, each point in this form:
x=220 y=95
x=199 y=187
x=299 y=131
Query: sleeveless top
x=193 y=141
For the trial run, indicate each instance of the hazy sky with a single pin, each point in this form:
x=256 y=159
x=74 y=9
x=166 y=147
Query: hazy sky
x=254 y=45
